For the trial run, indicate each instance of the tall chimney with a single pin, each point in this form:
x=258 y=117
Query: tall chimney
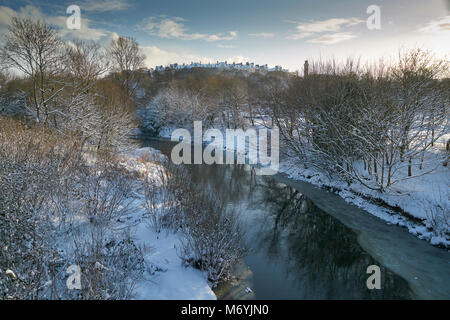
x=305 y=69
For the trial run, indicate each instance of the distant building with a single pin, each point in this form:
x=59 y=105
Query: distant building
x=248 y=66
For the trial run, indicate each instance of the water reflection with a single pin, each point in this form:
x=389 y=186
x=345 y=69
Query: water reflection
x=297 y=250
x=320 y=256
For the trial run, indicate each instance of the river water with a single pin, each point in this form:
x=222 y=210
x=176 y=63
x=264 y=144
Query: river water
x=307 y=243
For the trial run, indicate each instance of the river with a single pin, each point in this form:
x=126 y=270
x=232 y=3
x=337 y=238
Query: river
x=307 y=243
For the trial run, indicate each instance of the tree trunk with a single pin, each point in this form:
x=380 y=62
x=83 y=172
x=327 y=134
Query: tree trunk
x=409 y=168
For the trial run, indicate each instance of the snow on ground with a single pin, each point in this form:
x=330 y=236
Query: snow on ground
x=169 y=279
x=424 y=198
x=143 y=161
x=172 y=280
x=414 y=196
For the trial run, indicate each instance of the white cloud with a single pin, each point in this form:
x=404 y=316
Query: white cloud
x=59 y=22
x=435 y=35
x=174 y=28
x=304 y=30
x=29 y=11
x=103 y=5
x=225 y=46
x=333 y=38
x=436 y=26
x=5 y=18
x=86 y=32
x=157 y=57
x=263 y=35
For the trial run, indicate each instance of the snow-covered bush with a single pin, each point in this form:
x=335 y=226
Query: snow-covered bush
x=175 y=107
x=375 y=126
x=213 y=238
x=56 y=211
x=438 y=215
x=31 y=165
x=219 y=101
x=107 y=194
x=110 y=263
x=160 y=200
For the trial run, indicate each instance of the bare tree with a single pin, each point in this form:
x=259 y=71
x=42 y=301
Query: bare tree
x=34 y=48
x=90 y=107
x=126 y=58
x=85 y=61
x=372 y=125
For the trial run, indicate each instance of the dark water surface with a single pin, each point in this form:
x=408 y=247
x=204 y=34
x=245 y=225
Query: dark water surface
x=306 y=243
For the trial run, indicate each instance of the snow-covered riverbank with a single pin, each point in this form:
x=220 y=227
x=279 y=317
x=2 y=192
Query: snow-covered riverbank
x=415 y=204
x=168 y=278
x=420 y=204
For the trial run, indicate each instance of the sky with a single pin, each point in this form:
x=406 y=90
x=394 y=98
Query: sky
x=283 y=32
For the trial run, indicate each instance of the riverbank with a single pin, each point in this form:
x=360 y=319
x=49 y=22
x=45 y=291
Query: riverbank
x=417 y=204
x=421 y=204
x=166 y=278
x=392 y=247
x=421 y=265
